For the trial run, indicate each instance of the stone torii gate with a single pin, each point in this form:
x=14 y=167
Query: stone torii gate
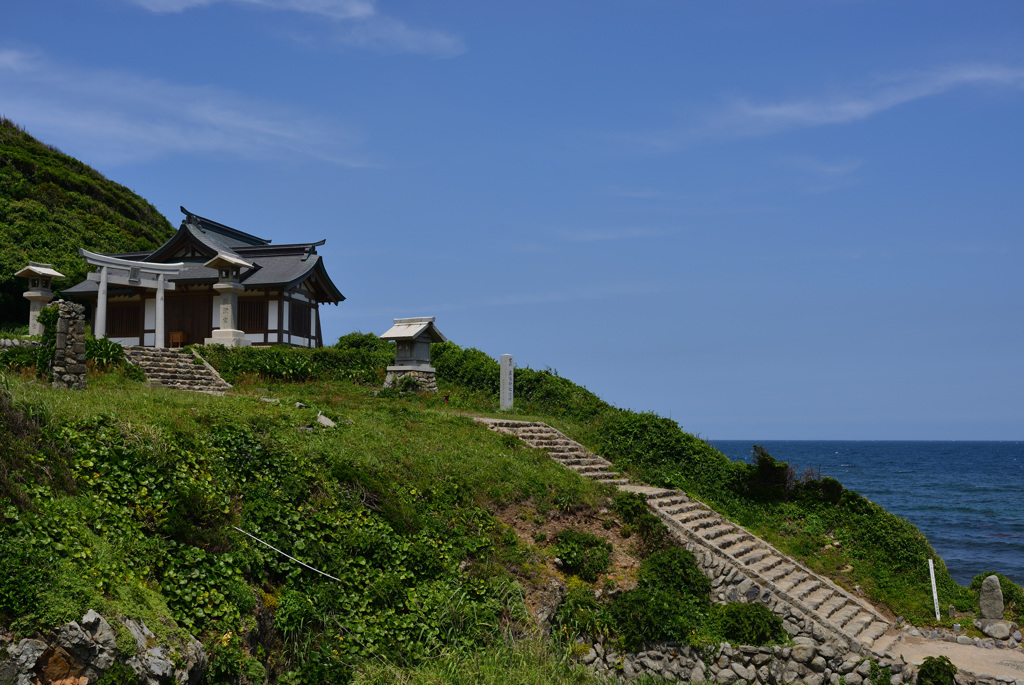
x=157 y=280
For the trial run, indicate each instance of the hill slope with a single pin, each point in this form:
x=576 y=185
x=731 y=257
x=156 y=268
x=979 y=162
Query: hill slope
x=52 y=204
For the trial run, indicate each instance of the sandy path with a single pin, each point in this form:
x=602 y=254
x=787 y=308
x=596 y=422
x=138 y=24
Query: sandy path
x=996 y=662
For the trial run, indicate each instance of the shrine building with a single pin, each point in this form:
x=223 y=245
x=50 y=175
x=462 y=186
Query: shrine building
x=209 y=283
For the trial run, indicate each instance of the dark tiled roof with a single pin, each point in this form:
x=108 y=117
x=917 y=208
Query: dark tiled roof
x=273 y=266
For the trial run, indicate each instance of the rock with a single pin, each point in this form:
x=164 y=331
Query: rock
x=818 y=664
x=270 y=400
x=1017 y=636
x=747 y=673
x=854 y=679
x=991 y=598
x=803 y=650
x=963 y=640
x=994 y=627
x=300 y=405
x=324 y=421
x=726 y=676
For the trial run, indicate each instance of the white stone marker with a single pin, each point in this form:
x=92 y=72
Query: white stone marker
x=935 y=593
x=507 y=374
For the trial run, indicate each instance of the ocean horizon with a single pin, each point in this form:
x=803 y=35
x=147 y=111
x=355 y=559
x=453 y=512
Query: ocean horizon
x=964 y=495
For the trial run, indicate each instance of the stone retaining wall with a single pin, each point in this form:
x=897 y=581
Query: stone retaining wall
x=805 y=661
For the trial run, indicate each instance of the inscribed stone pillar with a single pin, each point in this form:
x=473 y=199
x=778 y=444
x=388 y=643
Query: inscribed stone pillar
x=228 y=334
x=507 y=376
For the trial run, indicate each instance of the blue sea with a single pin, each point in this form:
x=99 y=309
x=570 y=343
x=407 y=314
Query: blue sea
x=967 y=497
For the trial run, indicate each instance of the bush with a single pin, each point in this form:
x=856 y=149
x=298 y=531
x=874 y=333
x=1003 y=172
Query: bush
x=583 y=554
x=936 y=670
x=749 y=624
x=21 y=357
x=578 y=614
x=648 y=614
x=675 y=570
x=103 y=352
x=632 y=508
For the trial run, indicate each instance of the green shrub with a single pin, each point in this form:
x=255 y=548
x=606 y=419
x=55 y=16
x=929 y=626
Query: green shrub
x=20 y=357
x=579 y=614
x=675 y=570
x=103 y=352
x=633 y=510
x=583 y=554
x=649 y=614
x=749 y=624
x=936 y=670
x=118 y=674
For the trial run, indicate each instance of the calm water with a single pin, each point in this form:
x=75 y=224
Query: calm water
x=967 y=497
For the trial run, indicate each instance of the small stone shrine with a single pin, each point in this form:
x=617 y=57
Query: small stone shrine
x=413 y=337
x=38 y=294
x=69 y=368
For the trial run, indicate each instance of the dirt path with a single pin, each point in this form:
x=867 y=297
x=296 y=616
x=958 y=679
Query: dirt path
x=995 y=662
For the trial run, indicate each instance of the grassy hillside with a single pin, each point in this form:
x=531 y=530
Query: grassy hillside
x=52 y=204
x=438 y=536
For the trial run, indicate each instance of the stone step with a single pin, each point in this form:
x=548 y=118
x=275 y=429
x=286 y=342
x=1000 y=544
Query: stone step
x=791 y=580
x=755 y=554
x=874 y=631
x=845 y=614
x=816 y=599
x=780 y=572
x=804 y=587
x=831 y=606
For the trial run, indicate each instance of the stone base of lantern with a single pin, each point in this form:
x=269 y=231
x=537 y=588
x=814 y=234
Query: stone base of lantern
x=228 y=337
x=426 y=379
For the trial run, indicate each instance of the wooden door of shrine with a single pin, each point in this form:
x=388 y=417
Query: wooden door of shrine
x=189 y=314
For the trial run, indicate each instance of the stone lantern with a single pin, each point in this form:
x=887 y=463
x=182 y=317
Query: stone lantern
x=39 y=294
x=412 y=355
x=228 y=286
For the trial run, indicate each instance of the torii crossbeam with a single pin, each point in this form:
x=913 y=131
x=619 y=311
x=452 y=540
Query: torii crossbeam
x=136 y=278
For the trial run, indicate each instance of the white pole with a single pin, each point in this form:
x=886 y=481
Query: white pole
x=935 y=593
x=101 y=306
x=507 y=374
x=158 y=329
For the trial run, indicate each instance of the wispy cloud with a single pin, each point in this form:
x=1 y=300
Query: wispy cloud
x=741 y=117
x=604 y=234
x=117 y=117
x=356 y=23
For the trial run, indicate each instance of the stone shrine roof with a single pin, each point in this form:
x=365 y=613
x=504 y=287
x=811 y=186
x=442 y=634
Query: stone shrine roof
x=413 y=328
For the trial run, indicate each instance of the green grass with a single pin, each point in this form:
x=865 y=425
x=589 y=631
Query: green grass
x=126 y=500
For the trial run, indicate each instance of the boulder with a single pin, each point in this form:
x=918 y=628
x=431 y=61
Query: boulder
x=994 y=628
x=991 y=598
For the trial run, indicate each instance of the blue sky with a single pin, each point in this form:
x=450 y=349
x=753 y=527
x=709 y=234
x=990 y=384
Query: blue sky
x=773 y=220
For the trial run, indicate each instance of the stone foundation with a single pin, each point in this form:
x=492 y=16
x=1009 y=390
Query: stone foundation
x=425 y=379
x=69 y=369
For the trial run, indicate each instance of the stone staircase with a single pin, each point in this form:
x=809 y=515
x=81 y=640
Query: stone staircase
x=725 y=548
x=183 y=370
